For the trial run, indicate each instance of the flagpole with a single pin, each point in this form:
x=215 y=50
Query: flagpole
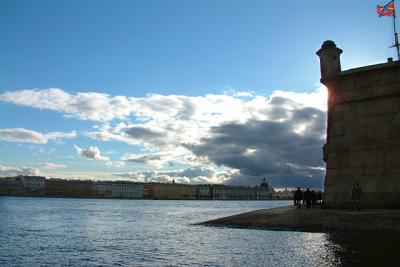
x=396 y=36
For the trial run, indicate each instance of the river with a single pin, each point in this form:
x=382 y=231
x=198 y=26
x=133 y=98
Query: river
x=106 y=232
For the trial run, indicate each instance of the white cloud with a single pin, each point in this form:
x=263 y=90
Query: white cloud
x=115 y=164
x=193 y=175
x=29 y=136
x=51 y=166
x=167 y=122
x=243 y=94
x=91 y=153
x=316 y=99
x=240 y=130
x=84 y=106
x=22 y=135
x=8 y=171
x=103 y=107
x=61 y=135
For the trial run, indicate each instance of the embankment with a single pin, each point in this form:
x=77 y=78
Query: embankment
x=314 y=220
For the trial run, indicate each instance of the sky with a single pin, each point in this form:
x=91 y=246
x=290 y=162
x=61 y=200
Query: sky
x=203 y=91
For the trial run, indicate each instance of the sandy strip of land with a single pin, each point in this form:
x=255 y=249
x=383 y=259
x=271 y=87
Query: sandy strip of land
x=314 y=220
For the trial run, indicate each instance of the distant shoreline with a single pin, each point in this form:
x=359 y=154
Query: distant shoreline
x=73 y=197
x=290 y=218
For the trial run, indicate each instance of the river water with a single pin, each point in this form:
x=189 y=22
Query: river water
x=103 y=232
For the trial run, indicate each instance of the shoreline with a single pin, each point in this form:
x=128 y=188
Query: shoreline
x=289 y=218
x=143 y=198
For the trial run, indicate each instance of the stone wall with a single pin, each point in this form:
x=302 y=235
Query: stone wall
x=363 y=137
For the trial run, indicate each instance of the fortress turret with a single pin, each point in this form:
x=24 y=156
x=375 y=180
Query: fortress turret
x=329 y=56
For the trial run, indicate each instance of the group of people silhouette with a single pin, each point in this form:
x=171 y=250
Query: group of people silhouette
x=310 y=198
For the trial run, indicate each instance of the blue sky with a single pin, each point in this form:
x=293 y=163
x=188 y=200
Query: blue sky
x=145 y=89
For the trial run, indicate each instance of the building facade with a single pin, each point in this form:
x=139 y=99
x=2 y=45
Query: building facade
x=363 y=131
x=56 y=187
x=12 y=186
x=230 y=192
x=102 y=189
x=265 y=190
x=170 y=191
x=128 y=190
x=204 y=191
x=34 y=185
x=285 y=194
x=68 y=188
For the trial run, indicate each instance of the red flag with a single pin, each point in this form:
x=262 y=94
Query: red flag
x=386 y=10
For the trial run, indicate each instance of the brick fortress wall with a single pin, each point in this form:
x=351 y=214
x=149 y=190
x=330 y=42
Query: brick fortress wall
x=363 y=135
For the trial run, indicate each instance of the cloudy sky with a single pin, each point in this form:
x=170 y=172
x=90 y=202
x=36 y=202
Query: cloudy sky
x=196 y=91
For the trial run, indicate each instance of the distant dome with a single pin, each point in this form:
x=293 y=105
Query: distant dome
x=264 y=183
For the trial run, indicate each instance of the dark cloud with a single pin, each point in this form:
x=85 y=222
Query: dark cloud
x=188 y=109
x=145 y=134
x=281 y=101
x=143 y=159
x=278 y=150
x=313 y=179
x=193 y=172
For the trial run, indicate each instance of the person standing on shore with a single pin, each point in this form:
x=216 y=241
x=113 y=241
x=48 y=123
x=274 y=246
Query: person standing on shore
x=313 y=198
x=298 y=197
x=320 y=197
x=308 y=197
x=356 y=197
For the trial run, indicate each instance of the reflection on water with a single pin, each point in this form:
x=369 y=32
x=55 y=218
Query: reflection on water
x=365 y=249
x=93 y=232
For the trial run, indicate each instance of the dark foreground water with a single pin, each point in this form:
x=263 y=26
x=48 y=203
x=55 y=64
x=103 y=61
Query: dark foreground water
x=94 y=232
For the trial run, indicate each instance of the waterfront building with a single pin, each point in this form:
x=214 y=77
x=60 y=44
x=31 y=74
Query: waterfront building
x=34 y=185
x=230 y=192
x=12 y=186
x=285 y=194
x=363 y=131
x=219 y=191
x=123 y=189
x=265 y=190
x=68 y=188
x=170 y=191
x=204 y=191
x=102 y=189
x=264 y=183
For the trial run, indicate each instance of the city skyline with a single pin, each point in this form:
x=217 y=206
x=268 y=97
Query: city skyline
x=199 y=92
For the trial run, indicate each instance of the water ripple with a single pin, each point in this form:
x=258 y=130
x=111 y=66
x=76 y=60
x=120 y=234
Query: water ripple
x=90 y=232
